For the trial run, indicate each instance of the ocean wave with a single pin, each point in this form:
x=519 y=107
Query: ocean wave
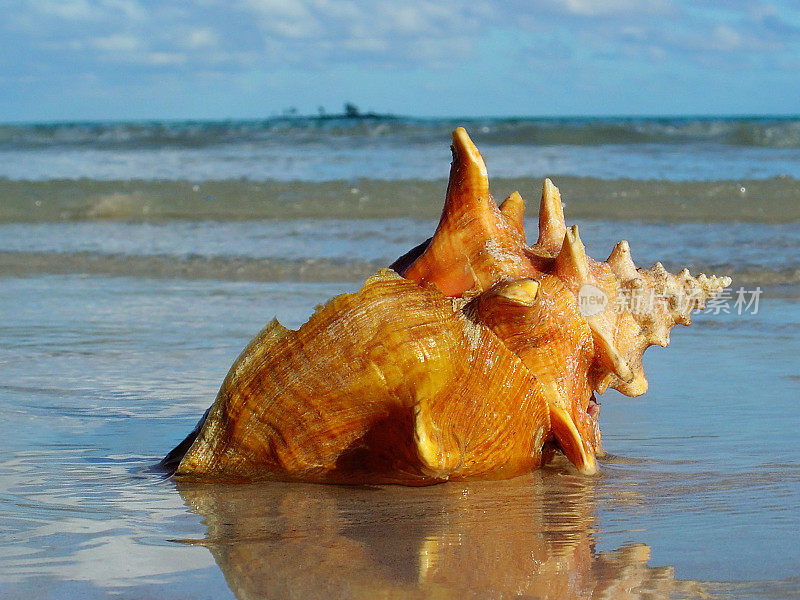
x=766 y=132
x=773 y=200
x=782 y=282
x=400 y=149
x=20 y=264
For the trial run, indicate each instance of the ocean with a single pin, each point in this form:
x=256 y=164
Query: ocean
x=137 y=260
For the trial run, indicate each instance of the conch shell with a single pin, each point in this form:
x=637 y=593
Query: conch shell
x=475 y=357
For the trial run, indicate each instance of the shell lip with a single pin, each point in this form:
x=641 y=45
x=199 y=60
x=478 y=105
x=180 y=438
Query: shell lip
x=570 y=441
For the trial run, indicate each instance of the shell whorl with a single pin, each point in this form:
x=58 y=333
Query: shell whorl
x=385 y=385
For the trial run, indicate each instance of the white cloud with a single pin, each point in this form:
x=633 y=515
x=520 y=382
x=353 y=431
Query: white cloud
x=161 y=59
x=381 y=33
x=131 y=9
x=117 y=42
x=255 y=43
x=86 y=10
x=592 y=8
x=600 y=8
x=201 y=37
x=72 y=10
x=285 y=19
x=279 y=8
x=366 y=44
x=725 y=39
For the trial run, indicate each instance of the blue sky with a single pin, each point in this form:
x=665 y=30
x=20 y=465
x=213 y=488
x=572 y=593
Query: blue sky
x=142 y=59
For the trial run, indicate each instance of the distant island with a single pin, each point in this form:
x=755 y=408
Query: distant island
x=349 y=111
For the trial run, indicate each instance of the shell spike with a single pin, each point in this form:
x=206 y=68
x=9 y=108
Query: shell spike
x=571 y=260
x=570 y=441
x=468 y=177
x=551 y=218
x=636 y=386
x=474 y=246
x=621 y=262
x=604 y=346
x=513 y=209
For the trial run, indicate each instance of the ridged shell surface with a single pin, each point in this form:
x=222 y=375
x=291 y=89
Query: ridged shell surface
x=385 y=385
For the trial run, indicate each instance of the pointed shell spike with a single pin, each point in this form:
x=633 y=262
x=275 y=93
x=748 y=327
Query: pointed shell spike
x=636 y=386
x=513 y=209
x=551 y=218
x=453 y=260
x=618 y=364
x=571 y=260
x=468 y=176
x=660 y=337
x=621 y=262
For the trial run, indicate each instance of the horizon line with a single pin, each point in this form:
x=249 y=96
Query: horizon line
x=387 y=116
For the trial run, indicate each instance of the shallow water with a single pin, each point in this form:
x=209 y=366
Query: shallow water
x=767 y=251
x=124 y=302
x=399 y=149
x=700 y=498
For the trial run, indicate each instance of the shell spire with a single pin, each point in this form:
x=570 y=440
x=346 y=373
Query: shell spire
x=649 y=303
x=625 y=308
x=475 y=244
x=672 y=298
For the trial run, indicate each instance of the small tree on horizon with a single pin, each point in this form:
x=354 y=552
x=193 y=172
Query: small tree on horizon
x=351 y=110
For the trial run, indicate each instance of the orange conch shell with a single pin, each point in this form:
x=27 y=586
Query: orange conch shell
x=486 y=352
x=384 y=385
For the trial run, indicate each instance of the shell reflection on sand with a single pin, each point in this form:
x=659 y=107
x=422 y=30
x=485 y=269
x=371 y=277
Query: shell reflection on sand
x=532 y=536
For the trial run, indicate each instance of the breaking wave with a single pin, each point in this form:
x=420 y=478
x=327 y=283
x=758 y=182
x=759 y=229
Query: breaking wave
x=768 y=132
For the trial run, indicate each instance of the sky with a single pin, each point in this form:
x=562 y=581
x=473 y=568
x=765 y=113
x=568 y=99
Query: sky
x=219 y=59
